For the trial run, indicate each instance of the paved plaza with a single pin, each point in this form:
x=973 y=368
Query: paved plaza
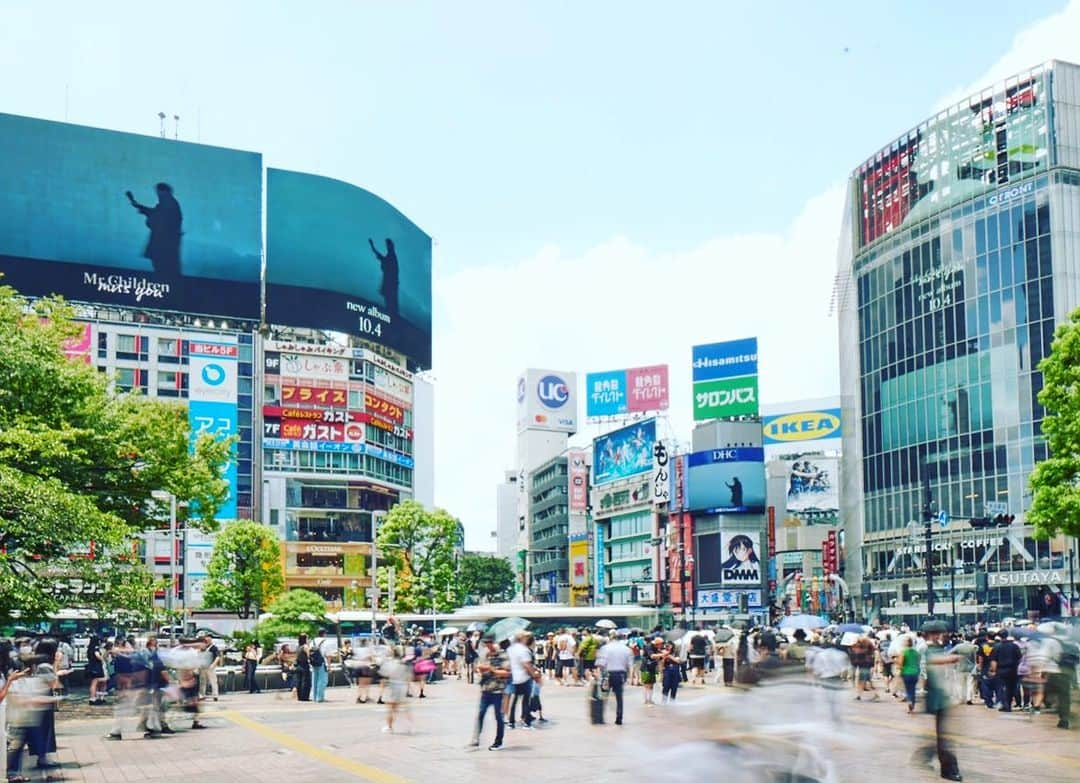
x=268 y=738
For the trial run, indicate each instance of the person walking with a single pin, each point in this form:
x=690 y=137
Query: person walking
x=522 y=673
x=909 y=666
x=494 y=669
x=208 y=674
x=565 y=646
x=319 y=673
x=938 y=662
x=615 y=660
x=1005 y=667
x=95 y=671
x=671 y=666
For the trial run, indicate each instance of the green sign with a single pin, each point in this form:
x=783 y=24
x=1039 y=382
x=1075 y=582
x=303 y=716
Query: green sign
x=725 y=398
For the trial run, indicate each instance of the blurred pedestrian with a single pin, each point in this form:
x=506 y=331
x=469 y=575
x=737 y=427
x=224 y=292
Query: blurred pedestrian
x=494 y=669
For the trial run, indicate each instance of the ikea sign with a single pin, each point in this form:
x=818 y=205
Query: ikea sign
x=805 y=425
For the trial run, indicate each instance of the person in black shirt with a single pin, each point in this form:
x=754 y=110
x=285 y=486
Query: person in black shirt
x=303 y=669
x=1004 y=665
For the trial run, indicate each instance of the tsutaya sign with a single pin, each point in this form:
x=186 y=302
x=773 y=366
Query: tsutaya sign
x=1034 y=577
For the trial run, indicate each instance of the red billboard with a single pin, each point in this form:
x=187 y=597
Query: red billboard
x=382 y=408
x=647 y=388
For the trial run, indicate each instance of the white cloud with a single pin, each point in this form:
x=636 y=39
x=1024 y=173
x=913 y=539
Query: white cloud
x=620 y=305
x=1051 y=38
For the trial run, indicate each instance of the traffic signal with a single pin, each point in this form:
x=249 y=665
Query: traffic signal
x=980 y=582
x=744 y=603
x=980 y=522
x=1004 y=520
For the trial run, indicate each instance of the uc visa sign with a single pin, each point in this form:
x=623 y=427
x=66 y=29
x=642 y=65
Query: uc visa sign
x=802 y=426
x=547 y=400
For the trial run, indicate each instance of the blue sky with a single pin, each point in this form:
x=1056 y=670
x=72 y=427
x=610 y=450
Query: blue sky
x=586 y=169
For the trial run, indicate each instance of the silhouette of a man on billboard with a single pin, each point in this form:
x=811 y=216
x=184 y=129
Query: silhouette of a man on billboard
x=389 y=287
x=736 y=491
x=165 y=222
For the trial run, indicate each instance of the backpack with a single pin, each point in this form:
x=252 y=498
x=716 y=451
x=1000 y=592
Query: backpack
x=316 y=656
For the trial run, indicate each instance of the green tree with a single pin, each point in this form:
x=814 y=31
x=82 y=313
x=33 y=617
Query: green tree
x=486 y=577
x=420 y=546
x=244 y=573
x=1055 y=482
x=78 y=466
x=292 y=613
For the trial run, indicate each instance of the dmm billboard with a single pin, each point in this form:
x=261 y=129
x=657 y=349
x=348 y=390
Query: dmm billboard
x=725 y=381
x=341 y=258
x=624 y=453
x=726 y=481
x=619 y=392
x=136 y=221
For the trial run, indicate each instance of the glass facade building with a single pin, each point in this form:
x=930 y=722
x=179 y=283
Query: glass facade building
x=960 y=257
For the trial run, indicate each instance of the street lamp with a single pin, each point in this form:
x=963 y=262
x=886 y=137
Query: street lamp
x=170 y=596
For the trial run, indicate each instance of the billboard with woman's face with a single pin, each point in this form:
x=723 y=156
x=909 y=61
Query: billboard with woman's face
x=135 y=221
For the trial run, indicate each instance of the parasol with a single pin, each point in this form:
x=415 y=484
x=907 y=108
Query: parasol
x=724 y=635
x=507 y=627
x=448 y=631
x=607 y=624
x=808 y=622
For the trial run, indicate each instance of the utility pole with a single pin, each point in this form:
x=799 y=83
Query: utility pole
x=928 y=530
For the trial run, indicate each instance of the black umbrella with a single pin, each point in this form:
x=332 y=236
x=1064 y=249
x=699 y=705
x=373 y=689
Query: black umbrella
x=934 y=626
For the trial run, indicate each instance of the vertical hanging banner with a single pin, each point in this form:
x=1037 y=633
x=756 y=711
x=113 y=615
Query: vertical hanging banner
x=725 y=379
x=578 y=479
x=212 y=403
x=599 y=556
x=661 y=474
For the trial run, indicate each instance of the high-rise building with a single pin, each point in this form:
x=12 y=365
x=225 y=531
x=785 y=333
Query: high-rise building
x=959 y=257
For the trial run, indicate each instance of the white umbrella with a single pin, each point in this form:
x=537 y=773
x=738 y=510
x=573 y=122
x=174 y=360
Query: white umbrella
x=448 y=631
x=609 y=624
x=184 y=657
x=808 y=622
x=848 y=639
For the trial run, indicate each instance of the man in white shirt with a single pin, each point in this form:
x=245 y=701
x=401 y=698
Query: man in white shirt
x=615 y=659
x=522 y=673
x=565 y=645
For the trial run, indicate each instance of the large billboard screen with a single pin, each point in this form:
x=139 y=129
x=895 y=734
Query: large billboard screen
x=621 y=392
x=133 y=221
x=341 y=258
x=725 y=381
x=726 y=481
x=547 y=400
x=624 y=453
x=986 y=143
x=813 y=484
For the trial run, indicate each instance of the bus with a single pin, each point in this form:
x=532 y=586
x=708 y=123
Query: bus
x=548 y=618
x=71 y=627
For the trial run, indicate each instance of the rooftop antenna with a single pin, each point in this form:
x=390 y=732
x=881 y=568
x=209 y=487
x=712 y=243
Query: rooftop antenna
x=176 y=127
x=161 y=117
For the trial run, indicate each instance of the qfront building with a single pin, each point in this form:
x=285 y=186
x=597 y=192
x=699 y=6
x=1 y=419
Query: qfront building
x=959 y=257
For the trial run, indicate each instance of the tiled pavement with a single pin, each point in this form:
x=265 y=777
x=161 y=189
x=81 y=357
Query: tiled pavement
x=265 y=738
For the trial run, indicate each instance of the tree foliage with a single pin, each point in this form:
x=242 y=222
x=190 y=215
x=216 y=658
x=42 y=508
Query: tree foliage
x=486 y=577
x=292 y=613
x=244 y=573
x=1055 y=482
x=78 y=465
x=420 y=545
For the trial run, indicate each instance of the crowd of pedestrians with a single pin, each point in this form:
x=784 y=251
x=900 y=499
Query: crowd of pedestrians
x=1030 y=668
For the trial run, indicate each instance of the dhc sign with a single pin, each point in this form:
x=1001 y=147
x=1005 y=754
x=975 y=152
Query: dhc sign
x=805 y=425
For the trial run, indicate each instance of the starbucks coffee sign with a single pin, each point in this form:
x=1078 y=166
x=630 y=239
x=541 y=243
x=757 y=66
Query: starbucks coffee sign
x=1033 y=578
